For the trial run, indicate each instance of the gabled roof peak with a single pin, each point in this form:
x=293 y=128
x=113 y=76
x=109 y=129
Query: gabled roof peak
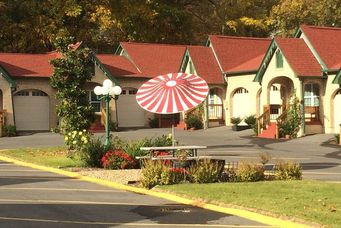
x=153 y=44
x=239 y=37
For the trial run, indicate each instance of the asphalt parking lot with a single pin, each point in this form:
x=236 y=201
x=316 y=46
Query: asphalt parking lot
x=34 y=198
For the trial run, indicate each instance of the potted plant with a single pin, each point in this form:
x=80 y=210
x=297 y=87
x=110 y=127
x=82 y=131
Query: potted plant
x=235 y=121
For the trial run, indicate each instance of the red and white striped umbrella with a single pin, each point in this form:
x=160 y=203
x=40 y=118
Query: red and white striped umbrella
x=172 y=93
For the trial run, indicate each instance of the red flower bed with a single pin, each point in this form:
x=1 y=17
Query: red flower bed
x=117 y=159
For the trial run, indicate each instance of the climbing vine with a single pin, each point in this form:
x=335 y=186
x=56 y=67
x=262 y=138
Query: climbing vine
x=71 y=71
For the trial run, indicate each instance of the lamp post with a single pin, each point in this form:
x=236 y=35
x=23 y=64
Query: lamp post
x=107 y=91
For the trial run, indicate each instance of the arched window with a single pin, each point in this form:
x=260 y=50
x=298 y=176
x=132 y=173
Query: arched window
x=312 y=95
x=241 y=90
x=279 y=59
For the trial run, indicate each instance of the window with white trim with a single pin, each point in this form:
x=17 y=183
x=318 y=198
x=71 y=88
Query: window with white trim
x=312 y=95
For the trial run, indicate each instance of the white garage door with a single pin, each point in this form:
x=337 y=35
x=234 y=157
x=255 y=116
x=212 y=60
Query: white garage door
x=31 y=108
x=130 y=114
x=241 y=103
x=337 y=111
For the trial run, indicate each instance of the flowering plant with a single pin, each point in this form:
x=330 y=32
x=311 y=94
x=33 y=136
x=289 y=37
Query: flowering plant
x=117 y=159
x=77 y=140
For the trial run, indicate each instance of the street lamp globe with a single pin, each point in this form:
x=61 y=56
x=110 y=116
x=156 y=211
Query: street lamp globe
x=115 y=91
x=98 y=90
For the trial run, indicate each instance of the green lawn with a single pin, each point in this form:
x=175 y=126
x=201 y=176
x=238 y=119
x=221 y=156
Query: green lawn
x=315 y=201
x=53 y=156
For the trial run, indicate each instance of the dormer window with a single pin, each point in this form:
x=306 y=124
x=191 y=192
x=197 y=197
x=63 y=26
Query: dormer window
x=279 y=59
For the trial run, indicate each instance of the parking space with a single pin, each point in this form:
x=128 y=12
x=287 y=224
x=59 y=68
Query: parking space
x=33 y=198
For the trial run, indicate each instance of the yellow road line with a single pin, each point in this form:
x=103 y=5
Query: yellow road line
x=59 y=189
x=264 y=219
x=39 y=201
x=123 y=224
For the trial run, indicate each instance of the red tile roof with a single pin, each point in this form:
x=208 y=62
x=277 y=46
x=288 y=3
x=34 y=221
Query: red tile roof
x=118 y=66
x=155 y=59
x=239 y=53
x=299 y=56
x=327 y=42
x=206 y=64
x=27 y=65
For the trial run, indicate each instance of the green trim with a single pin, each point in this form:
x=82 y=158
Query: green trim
x=337 y=79
x=265 y=62
x=330 y=71
x=104 y=69
x=208 y=42
x=8 y=78
x=243 y=72
x=298 y=32
x=118 y=49
x=184 y=61
x=279 y=59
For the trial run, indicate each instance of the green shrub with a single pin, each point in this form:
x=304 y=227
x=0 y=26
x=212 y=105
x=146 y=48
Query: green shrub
x=9 y=130
x=117 y=159
x=250 y=120
x=249 y=171
x=113 y=126
x=337 y=138
x=288 y=170
x=284 y=129
x=194 y=121
x=153 y=123
x=204 y=171
x=152 y=172
x=236 y=120
x=92 y=154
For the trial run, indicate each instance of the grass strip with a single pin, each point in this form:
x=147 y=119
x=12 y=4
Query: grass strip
x=52 y=156
x=314 y=201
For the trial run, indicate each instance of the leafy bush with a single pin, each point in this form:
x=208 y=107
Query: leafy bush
x=337 y=138
x=194 y=121
x=113 y=126
x=204 y=171
x=288 y=170
x=249 y=171
x=284 y=129
x=236 y=120
x=153 y=123
x=9 y=130
x=93 y=152
x=117 y=159
x=76 y=141
x=251 y=121
x=264 y=157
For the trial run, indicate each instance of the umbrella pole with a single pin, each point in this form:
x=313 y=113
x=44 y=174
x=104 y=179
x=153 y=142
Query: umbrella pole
x=173 y=131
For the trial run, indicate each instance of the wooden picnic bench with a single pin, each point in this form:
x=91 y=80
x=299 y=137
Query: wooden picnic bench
x=193 y=150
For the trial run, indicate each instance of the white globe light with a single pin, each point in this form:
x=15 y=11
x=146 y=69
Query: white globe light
x=98 y=90
x=106 y=90
x=107 y=83
x=116 y=90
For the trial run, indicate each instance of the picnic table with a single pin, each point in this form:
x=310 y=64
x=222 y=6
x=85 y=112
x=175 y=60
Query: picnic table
x=192 y=149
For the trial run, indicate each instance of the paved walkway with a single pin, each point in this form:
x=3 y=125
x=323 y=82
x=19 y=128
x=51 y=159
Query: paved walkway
x=320 y=159
x=34 y=198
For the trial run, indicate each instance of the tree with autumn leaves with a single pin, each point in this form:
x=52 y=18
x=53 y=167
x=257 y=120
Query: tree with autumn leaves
x=33 y=25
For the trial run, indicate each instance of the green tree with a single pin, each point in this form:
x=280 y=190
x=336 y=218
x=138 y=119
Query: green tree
x=71 y=71
x=289 y=14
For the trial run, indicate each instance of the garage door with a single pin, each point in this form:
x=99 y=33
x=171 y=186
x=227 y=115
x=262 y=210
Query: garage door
x=31 y=108
x=337 y=111
x=241 y=101
x=130 y=114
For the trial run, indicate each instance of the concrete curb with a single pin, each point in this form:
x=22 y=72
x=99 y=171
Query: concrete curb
x=237 y=212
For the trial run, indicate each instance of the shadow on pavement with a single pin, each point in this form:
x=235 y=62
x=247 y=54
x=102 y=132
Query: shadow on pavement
x=316 y=165
x=79 y=215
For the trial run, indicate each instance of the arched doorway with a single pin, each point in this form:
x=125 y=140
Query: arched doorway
x=130 y=114
x=240 y=99
x=31 y=110
x=215 y=106
x=337 y=111
x=279 y=92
